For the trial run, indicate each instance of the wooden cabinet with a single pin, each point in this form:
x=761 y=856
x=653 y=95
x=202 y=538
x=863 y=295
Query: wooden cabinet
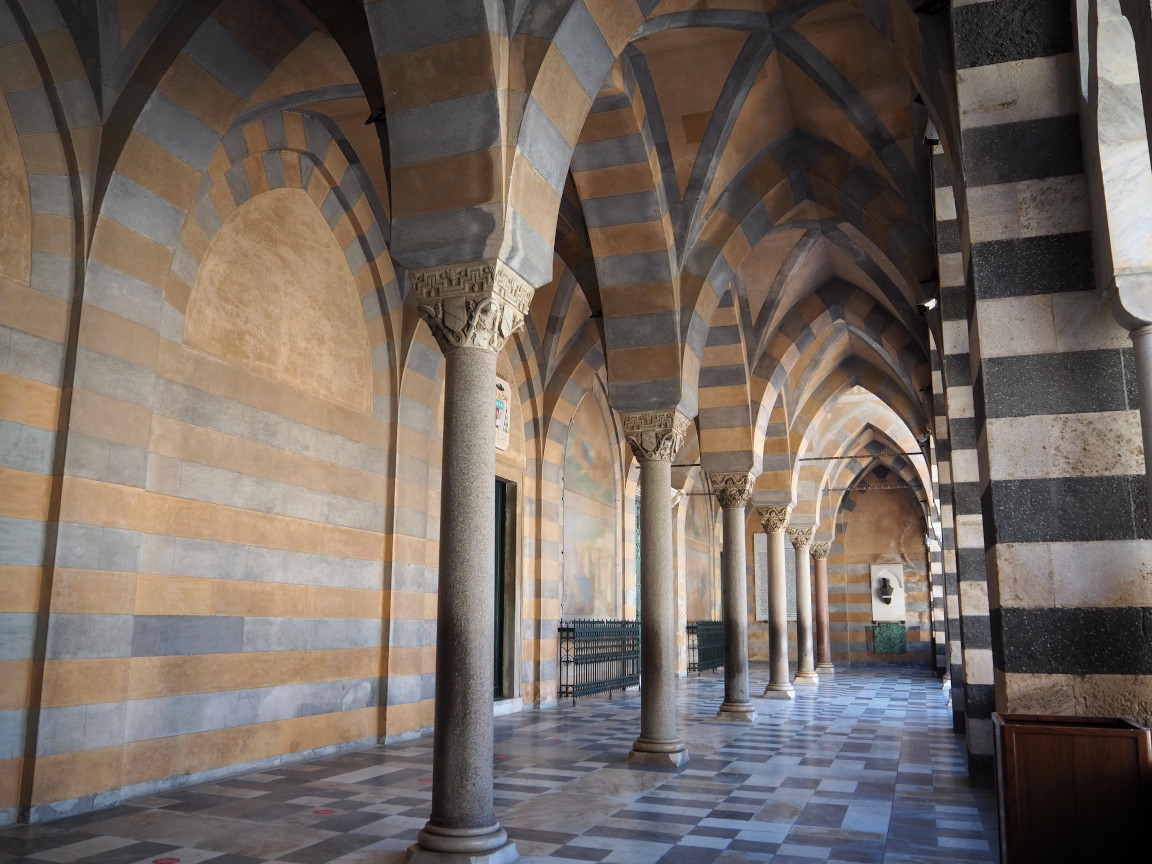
x=1073 y=789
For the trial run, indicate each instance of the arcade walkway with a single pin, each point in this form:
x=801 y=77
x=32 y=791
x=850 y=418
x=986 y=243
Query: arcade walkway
x=864 y=770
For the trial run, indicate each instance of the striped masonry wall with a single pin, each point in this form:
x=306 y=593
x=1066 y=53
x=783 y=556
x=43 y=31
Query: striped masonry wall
x=948 y=551
x=936 y=531
x=1054 y=403
x=972 y=587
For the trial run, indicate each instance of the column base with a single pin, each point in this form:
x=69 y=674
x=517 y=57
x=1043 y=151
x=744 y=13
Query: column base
x=779 y=691
x=825 y=669
x=436 y=845
x=662 y=752
x=806 y=679
x=738 y=712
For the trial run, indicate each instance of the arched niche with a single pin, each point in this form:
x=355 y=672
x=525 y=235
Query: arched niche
x=884 y=527
x=274 y=296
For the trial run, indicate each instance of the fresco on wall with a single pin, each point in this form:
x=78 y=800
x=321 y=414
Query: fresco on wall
x=698 y=521
x=588 y=455
x=591 y=571
x=701 y=582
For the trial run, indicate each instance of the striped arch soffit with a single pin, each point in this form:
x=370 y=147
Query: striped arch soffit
x=832 y=195
x=295 y=151
x=625 y=207
x=438 y=135
x=578 y=373
x=724 y=389
x=844 y=343
x=229 y=55
x=768 y=346
x=917 y=42
x=727 y=442
x=836 y=305
x=826 y=482
x=587 y=38
x=853 y=372
x=588 y=41
x=853 y=443
x=558 y=314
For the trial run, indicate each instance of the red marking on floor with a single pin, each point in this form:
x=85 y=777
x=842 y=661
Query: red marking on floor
x=323 y=812
x=425 y=779
x=165 y=861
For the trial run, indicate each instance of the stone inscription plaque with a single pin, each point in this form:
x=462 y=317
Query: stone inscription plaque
x=760 y=550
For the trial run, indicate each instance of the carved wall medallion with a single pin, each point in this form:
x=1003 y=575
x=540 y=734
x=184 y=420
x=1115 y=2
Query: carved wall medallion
x=732 y=490
x=654 y=435
x=801 y=537
x=774 y=519
x=821 y=550
x=477 y=305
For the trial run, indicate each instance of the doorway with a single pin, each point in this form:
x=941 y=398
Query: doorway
x=503 y=657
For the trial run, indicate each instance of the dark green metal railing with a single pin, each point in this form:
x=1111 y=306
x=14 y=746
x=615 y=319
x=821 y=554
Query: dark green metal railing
x=598 y=656
x=705 y=645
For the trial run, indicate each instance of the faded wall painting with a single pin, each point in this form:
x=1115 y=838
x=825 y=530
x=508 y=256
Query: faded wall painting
x=591 y=569
x=274 y=296
x=702 y=594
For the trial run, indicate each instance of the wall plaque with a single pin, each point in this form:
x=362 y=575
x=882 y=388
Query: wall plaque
x=503 y=414
x=888 y=581
x=760 y=556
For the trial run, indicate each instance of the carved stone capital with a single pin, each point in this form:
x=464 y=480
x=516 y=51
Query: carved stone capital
x=654 y=435
x=476 y=305
x=801 y=537
x=774 y=519
x=821 y=550
x=732 y=490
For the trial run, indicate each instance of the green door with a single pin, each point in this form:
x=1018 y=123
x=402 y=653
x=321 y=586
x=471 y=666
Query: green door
x=499 y=587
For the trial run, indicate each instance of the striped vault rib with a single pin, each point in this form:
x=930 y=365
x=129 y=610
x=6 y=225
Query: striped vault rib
x=46 y=110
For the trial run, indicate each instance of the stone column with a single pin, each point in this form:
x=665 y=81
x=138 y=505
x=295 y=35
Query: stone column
x=820 y=552
x=471 y=309
x=805 y=660
x=775 y=520
x=733 y=492
x=654 y=437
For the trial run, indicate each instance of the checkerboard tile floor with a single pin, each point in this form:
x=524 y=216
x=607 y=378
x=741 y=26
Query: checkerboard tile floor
x=863 y=768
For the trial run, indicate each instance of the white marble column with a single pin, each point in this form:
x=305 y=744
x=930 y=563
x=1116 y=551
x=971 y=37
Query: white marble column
x=471 y=309
x=820 y=553
x=805 y=659
x=654 y=437
x=775 y=520
x=733 y=492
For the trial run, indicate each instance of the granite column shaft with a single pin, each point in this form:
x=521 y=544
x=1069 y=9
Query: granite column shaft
x=733 y=492
x=805 y=656
x=775 y=520
x=471 y=310
x=655 y=437
x=824 y=665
